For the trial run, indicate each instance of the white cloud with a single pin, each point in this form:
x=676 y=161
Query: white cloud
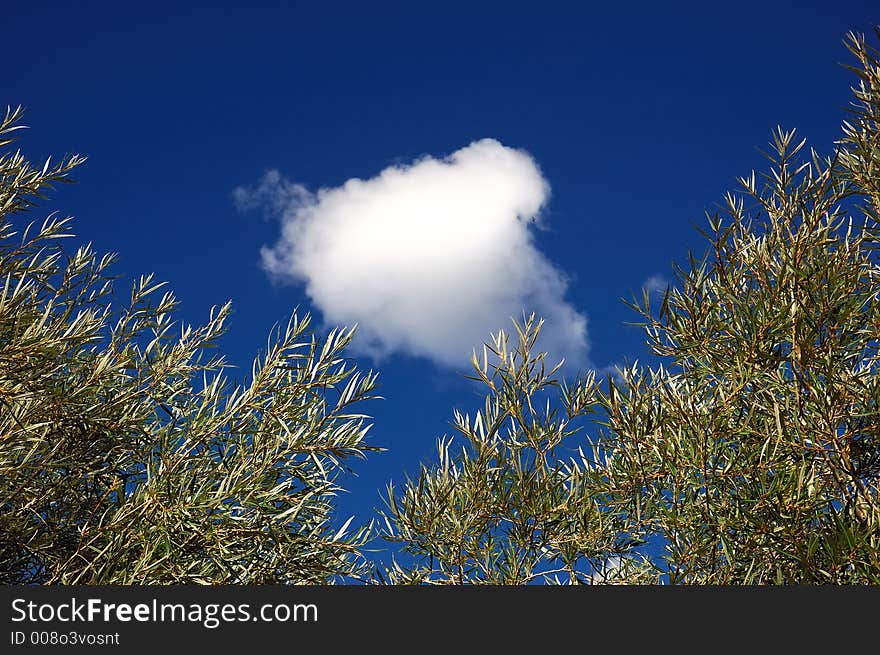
x=656 y=284
x=427 y=258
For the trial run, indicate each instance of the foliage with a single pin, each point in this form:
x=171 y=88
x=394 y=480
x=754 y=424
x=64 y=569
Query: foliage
x=510 y=507
x=755 y=451
x=127 y=455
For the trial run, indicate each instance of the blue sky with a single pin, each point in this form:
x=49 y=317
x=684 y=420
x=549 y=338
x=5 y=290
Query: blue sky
x=637 y=116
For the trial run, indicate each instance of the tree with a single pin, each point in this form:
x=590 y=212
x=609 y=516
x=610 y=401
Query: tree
x=127 y=455
x=751 y=454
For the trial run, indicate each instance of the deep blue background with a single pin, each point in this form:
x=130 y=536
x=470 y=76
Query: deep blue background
x=640 y=114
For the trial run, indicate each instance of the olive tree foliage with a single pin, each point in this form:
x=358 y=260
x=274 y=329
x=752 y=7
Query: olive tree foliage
x=126 y=453
x=749 y=454
x=754 y=451
x=516 y=503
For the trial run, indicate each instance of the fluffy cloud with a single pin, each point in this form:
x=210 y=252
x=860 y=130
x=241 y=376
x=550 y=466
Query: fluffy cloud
x=427 y=258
